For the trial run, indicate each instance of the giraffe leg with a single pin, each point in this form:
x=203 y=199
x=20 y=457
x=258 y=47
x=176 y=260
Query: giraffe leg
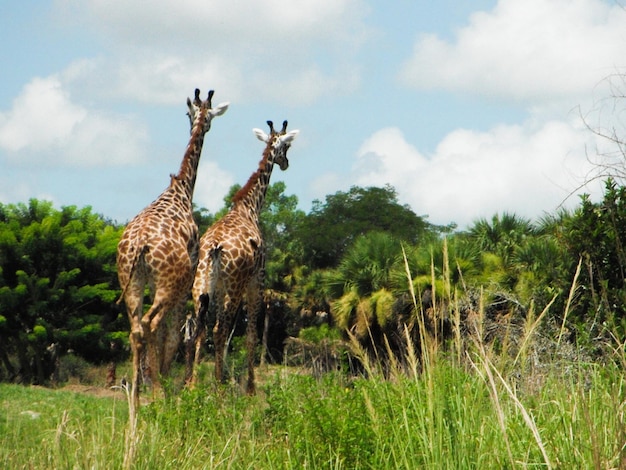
x=202 y=317
x=150 y=323
x=225 y=315
x=136 y=347
x=253 y=297
x=195 y=336
x=191 y=333
x=219 y=339
x=199 y=346
x=172 y=338
x=134 y=304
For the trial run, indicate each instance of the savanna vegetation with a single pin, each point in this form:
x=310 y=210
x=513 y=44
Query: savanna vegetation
x=387 y=342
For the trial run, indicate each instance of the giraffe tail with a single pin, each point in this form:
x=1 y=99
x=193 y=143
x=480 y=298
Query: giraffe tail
x=206 y=300
x=138 y=256
x=215 y=270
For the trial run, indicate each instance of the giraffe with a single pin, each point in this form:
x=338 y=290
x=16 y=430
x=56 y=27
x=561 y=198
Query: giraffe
x=232 y=261
x=159 y=248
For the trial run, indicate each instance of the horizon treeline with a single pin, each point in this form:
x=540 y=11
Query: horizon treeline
x=342 y=265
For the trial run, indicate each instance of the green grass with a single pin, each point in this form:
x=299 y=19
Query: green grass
x=449 y=416
x=43 y=428
x=524 y=402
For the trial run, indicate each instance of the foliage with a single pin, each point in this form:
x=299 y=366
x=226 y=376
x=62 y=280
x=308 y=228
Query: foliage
x=317 y=334
x=331 y=228
x=204 y=219
x=596 y=233
x=279 y=220
x=344 y=263
x=57 y=286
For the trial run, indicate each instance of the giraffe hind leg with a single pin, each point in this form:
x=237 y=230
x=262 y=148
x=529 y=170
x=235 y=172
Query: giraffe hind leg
x=195 y=342
x=253 y=306
x=172 y=338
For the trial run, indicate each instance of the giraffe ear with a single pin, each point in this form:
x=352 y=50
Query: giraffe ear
x=220 y=109
x=262 y=136
x=289 y=136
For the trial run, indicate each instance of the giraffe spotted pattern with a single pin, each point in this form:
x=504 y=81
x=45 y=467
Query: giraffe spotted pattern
x=231 y=263
x=159 y=249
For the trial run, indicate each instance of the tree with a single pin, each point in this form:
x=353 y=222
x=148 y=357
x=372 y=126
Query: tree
x=203 y=218
x=596 y=232
x=331 y=228
x=502 y=235
x=280 y=220
x=57 y=285
x=362 y=286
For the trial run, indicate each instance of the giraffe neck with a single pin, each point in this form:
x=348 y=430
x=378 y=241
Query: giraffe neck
x=252 y=195
x=186 y=177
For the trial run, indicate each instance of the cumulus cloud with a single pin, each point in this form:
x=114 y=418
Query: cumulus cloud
x=536 y=50
x=471 y=174
x=212 y=184
x=45 y=125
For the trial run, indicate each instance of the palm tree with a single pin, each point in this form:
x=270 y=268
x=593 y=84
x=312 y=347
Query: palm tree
x=502 y=235
x=362 y=283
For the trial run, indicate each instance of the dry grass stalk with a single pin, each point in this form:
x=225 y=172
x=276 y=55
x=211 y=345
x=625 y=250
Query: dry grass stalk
x=572 y=291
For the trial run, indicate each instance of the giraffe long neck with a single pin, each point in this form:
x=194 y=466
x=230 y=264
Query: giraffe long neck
x=252 y=195
x=188 y=171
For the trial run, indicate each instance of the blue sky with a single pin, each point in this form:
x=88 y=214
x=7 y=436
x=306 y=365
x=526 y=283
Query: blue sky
x=468 y=107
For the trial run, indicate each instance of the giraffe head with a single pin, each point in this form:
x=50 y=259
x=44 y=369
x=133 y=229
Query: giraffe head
x=279 y=142
x=201 y=113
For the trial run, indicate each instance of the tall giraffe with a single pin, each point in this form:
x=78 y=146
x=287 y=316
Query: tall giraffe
x=232 y=262
x=159 y=248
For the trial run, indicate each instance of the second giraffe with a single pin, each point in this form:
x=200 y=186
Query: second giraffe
x=232 y=261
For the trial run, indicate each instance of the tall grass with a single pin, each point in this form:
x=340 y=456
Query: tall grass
x=457 y=418
x=460 y=404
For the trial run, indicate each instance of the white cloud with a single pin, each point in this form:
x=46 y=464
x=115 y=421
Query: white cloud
x=212 y=184
x=537 y=50
x=290 y=53
x=525 y=169
x=46 y=126
x=545 y=56
x=212 y=25
x=41 y=116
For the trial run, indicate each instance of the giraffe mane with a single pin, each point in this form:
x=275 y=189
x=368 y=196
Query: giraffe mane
x=243 y=192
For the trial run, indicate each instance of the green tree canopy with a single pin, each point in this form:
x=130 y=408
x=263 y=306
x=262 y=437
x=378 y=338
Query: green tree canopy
x=597 y=233
x=57 y=284
x=332 y=227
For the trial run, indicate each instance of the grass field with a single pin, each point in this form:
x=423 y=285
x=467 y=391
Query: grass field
x=476 y=412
